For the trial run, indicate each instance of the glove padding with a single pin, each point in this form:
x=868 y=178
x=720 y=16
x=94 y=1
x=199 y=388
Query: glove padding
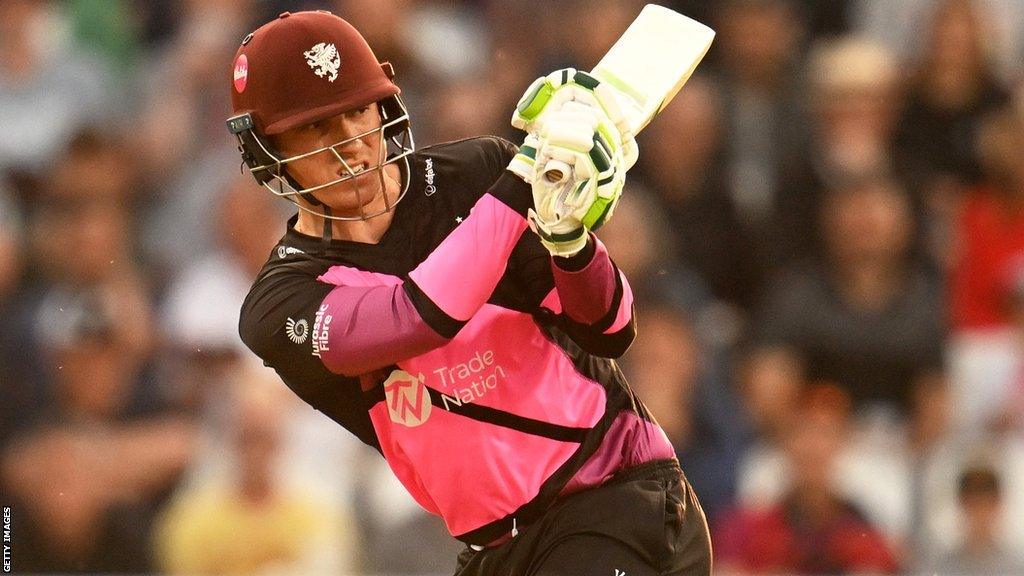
x=549 y=93
x=589 y=150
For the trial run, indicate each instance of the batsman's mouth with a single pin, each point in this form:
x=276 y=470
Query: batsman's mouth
x=358 y=168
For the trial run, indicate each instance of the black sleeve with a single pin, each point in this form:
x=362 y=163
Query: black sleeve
x=279 y=322
x=595 y=341
x=500 y=154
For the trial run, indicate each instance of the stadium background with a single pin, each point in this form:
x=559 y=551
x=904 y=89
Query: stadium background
x=825 y=235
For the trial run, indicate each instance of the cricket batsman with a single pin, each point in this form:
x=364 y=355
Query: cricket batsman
x=452 y=308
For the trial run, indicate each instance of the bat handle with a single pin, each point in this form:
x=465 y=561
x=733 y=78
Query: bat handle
x=556 y=171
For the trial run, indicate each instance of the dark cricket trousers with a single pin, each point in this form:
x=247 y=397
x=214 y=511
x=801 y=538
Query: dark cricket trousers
x=645 y=521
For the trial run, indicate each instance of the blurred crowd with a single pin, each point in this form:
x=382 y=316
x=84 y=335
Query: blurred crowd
x=824 y=233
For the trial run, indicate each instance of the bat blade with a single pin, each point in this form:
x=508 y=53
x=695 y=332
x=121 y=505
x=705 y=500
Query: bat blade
x=646 y=67
x=652 y=60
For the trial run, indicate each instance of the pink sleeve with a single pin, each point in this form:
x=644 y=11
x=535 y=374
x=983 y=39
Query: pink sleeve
x=596 y=294
x=370 y=327
x=460 y=274
x=363 y=327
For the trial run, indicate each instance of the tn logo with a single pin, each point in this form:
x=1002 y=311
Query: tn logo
x=407 y=398
x=620 y=572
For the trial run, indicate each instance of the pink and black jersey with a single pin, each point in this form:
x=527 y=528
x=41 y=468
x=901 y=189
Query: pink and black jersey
x=455 y=346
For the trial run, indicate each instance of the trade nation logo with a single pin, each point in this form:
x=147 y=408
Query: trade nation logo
x=407 y=398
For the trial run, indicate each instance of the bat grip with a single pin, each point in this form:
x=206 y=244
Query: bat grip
x=556 y=171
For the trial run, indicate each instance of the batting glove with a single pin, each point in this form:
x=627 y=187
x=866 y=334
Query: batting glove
x=524 y=162
x=549 y=93
x=583 y=193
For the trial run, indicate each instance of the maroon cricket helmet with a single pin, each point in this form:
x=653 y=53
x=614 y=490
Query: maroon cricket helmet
x=301 y=68
x=304 y=67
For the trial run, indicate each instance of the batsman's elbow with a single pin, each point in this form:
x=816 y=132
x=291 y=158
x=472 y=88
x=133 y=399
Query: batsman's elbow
x=606 y=345
x=619 y=342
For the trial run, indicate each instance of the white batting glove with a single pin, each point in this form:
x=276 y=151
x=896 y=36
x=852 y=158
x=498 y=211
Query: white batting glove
x=549 y=93
x=524 y=162
x=588 y=150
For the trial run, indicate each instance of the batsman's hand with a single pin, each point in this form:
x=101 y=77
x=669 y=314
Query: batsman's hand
x=547 y=94
x=588 y=148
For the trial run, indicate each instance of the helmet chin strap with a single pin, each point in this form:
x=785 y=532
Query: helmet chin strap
x=328 y=224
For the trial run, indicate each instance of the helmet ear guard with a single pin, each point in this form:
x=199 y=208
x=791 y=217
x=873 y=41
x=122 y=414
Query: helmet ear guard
x=255 y=153
x=392 y=107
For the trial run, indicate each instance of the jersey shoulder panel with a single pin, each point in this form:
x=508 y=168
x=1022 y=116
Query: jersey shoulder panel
x=469 y=166
x=284 y=292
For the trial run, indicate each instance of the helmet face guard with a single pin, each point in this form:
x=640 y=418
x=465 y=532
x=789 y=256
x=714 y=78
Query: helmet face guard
x=268 y=166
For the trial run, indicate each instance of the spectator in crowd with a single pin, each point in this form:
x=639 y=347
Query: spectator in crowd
x=954 y=86
x=251 y=523
x=758 y=51
x=991 y=227
x=903 y=28
x=199 y=311
x=48 y=87
x=688 y=178
x=852 y=86
x=758 y=44
x=179 y=138
x=865 y=318
x=982 y=551
x=812 y=530
x=895 y=472
x=77 y=236
x=87 y=477
x=868 y=321
x=986 y=354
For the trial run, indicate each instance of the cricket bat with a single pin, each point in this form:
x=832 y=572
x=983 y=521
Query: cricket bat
x=648 y=65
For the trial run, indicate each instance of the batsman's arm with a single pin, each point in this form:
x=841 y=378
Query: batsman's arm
x=596 y=300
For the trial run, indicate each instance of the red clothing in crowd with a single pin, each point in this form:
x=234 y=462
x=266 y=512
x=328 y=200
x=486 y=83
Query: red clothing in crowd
x=991 y=246
x=780 y=540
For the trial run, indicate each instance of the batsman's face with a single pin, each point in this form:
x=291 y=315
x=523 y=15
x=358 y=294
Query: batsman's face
x=351 y=149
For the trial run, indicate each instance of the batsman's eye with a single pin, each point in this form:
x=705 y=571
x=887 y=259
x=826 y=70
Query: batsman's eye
x=358 y=111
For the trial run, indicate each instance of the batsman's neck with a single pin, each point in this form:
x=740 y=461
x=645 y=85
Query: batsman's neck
x=368 y=231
